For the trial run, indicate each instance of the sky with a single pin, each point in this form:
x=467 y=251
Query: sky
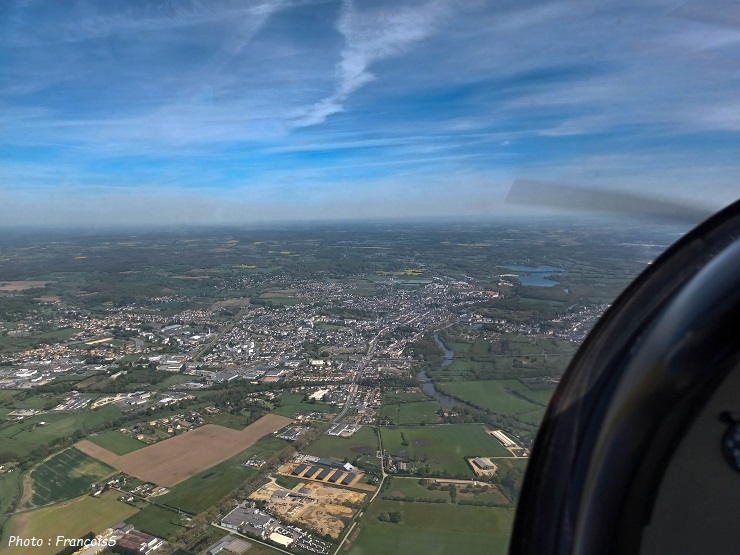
x=155 y=112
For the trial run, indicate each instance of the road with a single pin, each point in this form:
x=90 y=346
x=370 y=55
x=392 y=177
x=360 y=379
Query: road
x=226 y=329
x=377 y=491
x=353 y=386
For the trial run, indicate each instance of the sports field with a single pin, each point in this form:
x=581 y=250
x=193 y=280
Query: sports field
x=72 y=520
x=433 y=529
x=66 y=475
x=443 y=447
x=173 y=460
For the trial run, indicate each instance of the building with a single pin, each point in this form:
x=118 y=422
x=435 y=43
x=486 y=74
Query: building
x=250 y=521
x=281 y=539
x=130 y=538
x=336 y=464
x=504 y=439
x=484 y=463
x=224 y=376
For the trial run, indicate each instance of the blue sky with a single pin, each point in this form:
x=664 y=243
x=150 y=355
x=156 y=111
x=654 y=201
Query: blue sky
x=235 y=112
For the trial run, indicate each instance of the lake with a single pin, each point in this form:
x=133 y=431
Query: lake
x=536 y=276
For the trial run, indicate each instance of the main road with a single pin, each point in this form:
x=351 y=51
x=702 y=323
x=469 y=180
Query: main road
x=360 y=368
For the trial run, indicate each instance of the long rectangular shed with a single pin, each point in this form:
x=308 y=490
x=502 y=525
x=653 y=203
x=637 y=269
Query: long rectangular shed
x=348 y=478
x=335 y=477
x=324 y=473
x=298 y=469
x=312 y=471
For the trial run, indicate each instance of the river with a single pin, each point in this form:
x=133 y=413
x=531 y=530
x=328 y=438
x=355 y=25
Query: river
x=428 y=387
x=449 y=355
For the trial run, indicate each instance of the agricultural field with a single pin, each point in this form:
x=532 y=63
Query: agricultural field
x=116 y=442
x=200 y=492
x=433 y=529
x=174 y=460
x=412 y=413
x=72 y=520
x=363 y=445
x=66 y=475
x=442 y=447
x=158 y=521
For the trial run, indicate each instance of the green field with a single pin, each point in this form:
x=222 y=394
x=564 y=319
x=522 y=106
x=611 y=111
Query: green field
x=293 y=403
x=442 y=447
x=10 y=487
x=409 y=488
x=493 y=495
x=25 y=436
x=538 y=393
x=6 y=394
x=174 y=379
x=398 y=396
x=66 y=475
x=509 y=356
x=24 y=342
x=158 y=521
x=505 y=397
x=228 y=420
x=71 y=520
x=412 y=413
x=434 y=529
x=116 y=442
x=363 y=445
x=207 y=488
x=198 y=493
x=498 y=396
x=534 y=417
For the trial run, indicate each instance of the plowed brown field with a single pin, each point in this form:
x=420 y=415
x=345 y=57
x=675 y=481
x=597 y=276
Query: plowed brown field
x=173 y=460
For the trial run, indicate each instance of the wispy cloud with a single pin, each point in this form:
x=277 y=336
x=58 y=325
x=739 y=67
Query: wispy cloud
x=342 y=104
x=371 y=36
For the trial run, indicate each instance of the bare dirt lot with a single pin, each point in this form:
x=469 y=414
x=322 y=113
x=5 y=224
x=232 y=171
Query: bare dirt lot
x=21 y=285
x=323 y=509
x=171 y=461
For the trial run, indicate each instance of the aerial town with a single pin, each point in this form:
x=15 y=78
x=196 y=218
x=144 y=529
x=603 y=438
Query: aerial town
x=257 y=405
